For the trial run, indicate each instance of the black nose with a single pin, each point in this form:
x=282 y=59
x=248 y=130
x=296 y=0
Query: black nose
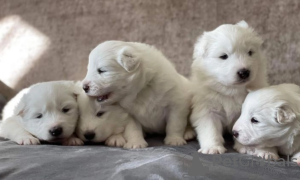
x=89 y=135
x=56 y=131
x=243 y=73
x=235 y=134
x=86 y=88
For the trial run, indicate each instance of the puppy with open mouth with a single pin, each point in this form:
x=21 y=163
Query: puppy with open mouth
x=270 y=120
x=228 y=62
x=110 y=124
x=144 y=82
x=45 y=111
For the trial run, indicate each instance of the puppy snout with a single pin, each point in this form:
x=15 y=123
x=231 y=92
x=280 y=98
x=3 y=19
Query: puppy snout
x=86 y=88
x=235 y=134
x=89 y=135
x=243 y=73
x=56 y=131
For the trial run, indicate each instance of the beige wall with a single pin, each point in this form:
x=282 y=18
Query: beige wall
x=51 y=39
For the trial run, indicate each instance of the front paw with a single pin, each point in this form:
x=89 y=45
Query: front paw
x=73 y=141
x=243 y=149
x=266 y=155
x=136 y=144
x=115 y=141
x=174 y=141
x=189 y=134
x=212 y=150
x=28 y=140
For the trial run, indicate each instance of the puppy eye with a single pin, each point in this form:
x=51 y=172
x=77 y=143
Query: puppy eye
x=39 y=116
x=100 y=71
x=250 y=53
x=225 y=56
x=65 y=110
x=254 y=121
x=99 y=114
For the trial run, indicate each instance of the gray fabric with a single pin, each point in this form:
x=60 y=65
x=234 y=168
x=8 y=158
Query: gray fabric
x=100 y=162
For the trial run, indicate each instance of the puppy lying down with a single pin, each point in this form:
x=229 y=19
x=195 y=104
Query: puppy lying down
x=43 y=112
x=111 y=124
x=271 y=119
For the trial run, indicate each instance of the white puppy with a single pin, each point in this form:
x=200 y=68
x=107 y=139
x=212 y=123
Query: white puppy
x=227 y=63
x=111 y=124
x=145 y=83
x=271 y=119
x=45 y=111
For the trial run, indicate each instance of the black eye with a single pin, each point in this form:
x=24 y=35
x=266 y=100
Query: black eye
x=65 y=110
x=100 y=71
x=250 y=53
x=254 y=121
x=99 y=114
x=225 y=56
x=39 y=116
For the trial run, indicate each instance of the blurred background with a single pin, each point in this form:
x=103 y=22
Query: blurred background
x=43 y=40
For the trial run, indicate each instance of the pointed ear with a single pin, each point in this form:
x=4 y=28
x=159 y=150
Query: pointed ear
x=243 y=24
x=285 y=115
x=128 y=59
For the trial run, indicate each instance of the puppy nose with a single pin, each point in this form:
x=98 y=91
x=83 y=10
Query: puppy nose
x=89 y=135
x=86 y=88
x=243 y=73
x=56 y=131
x=235 y=134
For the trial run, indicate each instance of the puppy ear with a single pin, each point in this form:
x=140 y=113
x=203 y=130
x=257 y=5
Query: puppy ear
x=285 y=114
x=201 y=46
x=128 y=59
x=243 y=24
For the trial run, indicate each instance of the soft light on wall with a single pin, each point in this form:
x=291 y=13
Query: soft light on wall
x=21 y=45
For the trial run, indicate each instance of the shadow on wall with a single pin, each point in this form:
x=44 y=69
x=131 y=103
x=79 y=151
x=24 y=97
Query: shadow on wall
x=51 y=40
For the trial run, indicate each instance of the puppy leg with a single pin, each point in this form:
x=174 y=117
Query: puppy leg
x=73 y=141
x=115 y=140
x=243 y=149
x=209 y=130
x=266 y=153
x=189 y=133
x=11 y=129
x=134 y=136
x=176 y=124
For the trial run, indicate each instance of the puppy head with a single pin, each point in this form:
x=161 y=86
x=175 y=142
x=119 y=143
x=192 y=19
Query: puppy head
x=269 y=116
x=49 y=110
x=112 y=70
x=97 y=123
x=230 y=54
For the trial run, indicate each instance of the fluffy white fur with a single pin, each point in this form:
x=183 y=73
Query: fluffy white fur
x=218 y=91
x=270 y=120
x=145 y=83
x=111 y=124
x=34 y=112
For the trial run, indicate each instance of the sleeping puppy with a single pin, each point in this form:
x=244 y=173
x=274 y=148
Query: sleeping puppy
x=43 y=112
x=271 y=119
x=227 y=63
x=145 y=83
x=111 y=124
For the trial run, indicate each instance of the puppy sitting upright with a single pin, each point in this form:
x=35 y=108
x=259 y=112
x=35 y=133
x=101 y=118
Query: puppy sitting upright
x=44 y=111
x=145 y=83
x=271 y=119
x=227 y=63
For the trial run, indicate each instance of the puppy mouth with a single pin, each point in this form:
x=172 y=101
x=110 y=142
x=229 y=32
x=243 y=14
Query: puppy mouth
x=242 y=81
x=103 y=98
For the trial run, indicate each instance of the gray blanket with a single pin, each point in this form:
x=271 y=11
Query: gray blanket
x=156 y=162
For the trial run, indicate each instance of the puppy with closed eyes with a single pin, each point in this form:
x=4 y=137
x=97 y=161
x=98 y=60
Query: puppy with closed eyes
x=45 y=111
x=110 y=124
x=228 y=62
x=270 y=120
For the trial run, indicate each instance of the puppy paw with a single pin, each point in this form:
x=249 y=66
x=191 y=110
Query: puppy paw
x=175 y=141
x=243 y=149
x=29 y=140
x=296 y=160
x=73 y=141
x=135 y=144
x=115 y=141
x=212 y=150
x=189 y=134
x=266 y=155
